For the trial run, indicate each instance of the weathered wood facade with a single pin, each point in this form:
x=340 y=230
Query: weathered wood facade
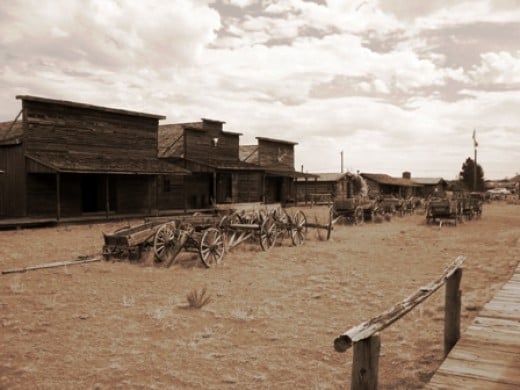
x=431 y=186
x=324 y=187
x=382 y=184
x=277 y=158
x=212 y=155
x=71 y=159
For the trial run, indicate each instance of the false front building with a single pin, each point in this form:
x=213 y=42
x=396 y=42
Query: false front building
x=68 y=159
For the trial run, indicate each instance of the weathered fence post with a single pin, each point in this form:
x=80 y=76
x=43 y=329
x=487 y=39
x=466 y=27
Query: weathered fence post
x=366 y=363
x=452 y=310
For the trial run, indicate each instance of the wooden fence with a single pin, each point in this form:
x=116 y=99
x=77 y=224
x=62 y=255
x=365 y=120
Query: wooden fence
x=365 y=338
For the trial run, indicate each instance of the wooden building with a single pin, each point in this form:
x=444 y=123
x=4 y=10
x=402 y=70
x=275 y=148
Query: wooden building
x=430 y=186
x=324 y=187
x=212 y=155
x=276 y=157
x=382 y=184
x=68 y=159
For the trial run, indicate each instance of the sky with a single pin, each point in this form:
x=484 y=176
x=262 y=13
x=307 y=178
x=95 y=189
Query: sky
x=394 y=85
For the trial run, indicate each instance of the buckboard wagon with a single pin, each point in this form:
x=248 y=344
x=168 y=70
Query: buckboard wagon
x=208 y=235
x=194 y=233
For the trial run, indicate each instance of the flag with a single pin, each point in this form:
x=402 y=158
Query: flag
x=475 y=143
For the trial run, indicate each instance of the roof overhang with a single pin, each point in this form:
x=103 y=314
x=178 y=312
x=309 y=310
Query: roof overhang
x=69 y=163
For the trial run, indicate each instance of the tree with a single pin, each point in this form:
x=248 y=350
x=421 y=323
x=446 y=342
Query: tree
x=466 y=175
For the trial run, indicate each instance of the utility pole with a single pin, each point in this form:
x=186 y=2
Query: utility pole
x=475 y=145
x=341 y=161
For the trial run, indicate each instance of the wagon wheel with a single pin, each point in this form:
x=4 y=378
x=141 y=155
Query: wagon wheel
x=268 y=234
x=359 y=215
x=211 y=247
x=164 y=241
x=298 y=228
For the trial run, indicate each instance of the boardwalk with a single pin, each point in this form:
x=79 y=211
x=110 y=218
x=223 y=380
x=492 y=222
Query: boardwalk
x=488 y=354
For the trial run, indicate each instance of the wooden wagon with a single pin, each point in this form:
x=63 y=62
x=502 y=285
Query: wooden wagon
x=198 y=234
x=441 y=210
x=354 y=210
x=268 y=227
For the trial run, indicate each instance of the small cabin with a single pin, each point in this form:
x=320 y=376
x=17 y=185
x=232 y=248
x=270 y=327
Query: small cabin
x=69 y=159
x=383 y=184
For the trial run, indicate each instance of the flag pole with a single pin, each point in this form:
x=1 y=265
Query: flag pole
x=475 y=144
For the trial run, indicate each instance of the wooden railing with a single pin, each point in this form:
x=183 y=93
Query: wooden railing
x=365 y=338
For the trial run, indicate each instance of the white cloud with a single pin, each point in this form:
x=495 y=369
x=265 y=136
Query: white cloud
x=304 y=71
x=501 y=68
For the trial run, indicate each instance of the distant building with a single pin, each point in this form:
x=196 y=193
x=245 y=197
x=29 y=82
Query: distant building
x=324 y=187
x=383 y=184
x=430 y=185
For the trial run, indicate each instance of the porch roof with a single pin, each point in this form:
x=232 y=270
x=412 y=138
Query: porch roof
x=76 y=163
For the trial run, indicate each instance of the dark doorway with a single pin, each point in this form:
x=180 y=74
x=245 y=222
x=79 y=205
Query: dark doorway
x=94 y=193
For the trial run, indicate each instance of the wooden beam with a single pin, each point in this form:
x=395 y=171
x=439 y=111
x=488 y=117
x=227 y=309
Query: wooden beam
x=52 y=265
x=378 y=323
x=452 y=311
x=366 y=364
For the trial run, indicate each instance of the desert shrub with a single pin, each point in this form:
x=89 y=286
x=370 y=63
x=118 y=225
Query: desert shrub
x=388 y=217
x=197 y=299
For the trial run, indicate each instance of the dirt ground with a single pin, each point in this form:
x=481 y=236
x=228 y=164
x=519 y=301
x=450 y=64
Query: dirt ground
x=272 y=318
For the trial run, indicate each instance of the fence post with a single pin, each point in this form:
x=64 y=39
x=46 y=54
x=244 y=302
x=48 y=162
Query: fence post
x=452 y=311
x=366 y=363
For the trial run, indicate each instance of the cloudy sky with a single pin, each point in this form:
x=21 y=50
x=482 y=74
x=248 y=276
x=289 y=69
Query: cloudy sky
x=396 y=85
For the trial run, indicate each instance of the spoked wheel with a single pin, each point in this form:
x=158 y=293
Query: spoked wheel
x=268 y=234
x=211 y=247
x=164 y=242
x=298 y=228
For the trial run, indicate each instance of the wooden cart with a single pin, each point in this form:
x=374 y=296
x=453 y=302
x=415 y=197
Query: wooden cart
x=198 y=234
x=441 y=210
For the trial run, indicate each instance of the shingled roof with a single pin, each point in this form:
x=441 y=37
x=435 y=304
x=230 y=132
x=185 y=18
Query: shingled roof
x=11 y=132
x=382 y=178
x=70 y=162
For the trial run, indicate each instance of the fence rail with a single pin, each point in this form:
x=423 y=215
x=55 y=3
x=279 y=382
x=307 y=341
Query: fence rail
x=366 y=341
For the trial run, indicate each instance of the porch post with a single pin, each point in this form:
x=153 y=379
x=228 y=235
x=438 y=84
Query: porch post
x=215 y=186
x=58 y=196
x=157 y=194
x=107 y=197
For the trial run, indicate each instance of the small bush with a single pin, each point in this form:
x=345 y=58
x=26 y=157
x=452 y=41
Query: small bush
x=196 y=299
x=388 y=217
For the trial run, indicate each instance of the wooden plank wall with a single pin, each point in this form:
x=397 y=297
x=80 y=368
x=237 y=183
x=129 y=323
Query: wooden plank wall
x=171 y=196
x=12 y=181
x=41 y=195
x=247 y=187
x=134 y=193
x=52 y=127
x=276 y=154
x=200 y=147
x=304 y=189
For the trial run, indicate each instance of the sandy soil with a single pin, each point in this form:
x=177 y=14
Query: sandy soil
x=272 y=318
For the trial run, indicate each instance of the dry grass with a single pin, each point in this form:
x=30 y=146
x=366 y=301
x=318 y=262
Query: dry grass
x=197 y=300
x=378 y=219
